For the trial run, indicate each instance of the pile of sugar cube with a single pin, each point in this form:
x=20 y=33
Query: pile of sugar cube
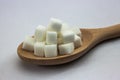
x=57 y=38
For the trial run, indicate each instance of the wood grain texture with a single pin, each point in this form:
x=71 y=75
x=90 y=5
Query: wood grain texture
x=90 y=38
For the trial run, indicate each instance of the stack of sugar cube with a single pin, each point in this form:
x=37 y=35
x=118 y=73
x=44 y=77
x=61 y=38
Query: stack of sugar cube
x=57 y=38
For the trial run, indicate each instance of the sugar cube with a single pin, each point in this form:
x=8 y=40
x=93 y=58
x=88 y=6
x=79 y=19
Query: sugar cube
x=50 y=50
x=77 y=41
x=51 y=37
x=55 y=25
x=65 y=26
x=28 y=43
x=40 y=33
x=39 y=49
x=76 y=30
x=66 y=48
x=67 y=36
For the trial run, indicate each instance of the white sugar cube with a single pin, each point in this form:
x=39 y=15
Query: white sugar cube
x=28 y=43
x=77 y=41
x=50 y=50
x=67 y=36
x=66 y=48
x=39 y=49
x=55 y=25
x=65 y=26
x=51 y=37
x=77 y=31
x=40 y=33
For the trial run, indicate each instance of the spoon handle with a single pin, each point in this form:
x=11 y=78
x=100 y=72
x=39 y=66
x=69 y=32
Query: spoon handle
x=107 y=33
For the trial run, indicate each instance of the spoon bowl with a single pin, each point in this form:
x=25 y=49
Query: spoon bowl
x=90 y=37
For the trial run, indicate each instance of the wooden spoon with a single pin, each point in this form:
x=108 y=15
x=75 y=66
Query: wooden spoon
x=90 y=37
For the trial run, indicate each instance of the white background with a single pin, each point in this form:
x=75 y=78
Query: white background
x=20 y=17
